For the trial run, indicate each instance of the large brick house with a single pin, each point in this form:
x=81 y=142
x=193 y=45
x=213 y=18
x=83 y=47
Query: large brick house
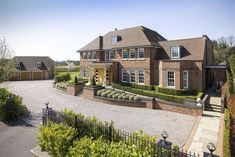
x=33 y=68
x=142 y=56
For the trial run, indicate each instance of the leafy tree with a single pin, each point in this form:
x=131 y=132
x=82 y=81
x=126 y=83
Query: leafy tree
x=223 y=48
x=7 y=64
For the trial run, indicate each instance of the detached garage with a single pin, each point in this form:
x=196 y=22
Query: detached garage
x=33 y=68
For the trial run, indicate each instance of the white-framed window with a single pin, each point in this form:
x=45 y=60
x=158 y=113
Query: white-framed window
x=39 y=64
x=124 y=54
x=141 y=76
x=171 y=78
x=111 y=55
x=132 y=76
x=132 y=53
x=124 y=75
x=114 y=39
x=140 y=52
x=93 y=55
x=185 y=79
x=89 y=55
x=84 y=55
x=106 y=55
x=175 y=52
x=85 y=72
x=18 y=64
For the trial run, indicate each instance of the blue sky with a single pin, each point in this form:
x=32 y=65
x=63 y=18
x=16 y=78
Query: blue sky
x=58 y=28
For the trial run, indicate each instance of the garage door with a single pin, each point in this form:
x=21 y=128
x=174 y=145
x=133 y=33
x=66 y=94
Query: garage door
x=37 y=75
x=45 y=75
x=25 y=76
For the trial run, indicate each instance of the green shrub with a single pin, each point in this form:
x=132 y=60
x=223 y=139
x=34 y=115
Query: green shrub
x=126 y=97
x=131 y=98
x=12 y=108
x=110 y=95
x=61 y=85
x=99 y=92
x=137 y=98
x=104 y=94
x=76 y=80
x=227 y=133
x=115 y=96
x=120 y=96
x=128 y=86
x=56 y=138
x=200 y=95
x=62 y=78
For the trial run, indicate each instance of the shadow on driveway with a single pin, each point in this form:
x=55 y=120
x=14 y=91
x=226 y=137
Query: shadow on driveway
x=17 y=139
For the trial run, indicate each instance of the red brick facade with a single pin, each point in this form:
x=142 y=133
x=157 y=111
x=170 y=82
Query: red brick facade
x=189 y=69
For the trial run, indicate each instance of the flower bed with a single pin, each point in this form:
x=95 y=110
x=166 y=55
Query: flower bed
x=114 y=94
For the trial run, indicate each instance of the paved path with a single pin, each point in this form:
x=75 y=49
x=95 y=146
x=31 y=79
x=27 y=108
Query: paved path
x=209 y=130
x=17 y=140
x=36 y=93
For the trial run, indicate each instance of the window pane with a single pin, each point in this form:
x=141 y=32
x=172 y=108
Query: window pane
x=94 y=55
x=141 y=76
x=132 y=74
x=171 y=78
x=84 y=55
x=89 y=55
x=141 y=52
x=185 y=79
x=175 y=52
x=132 y=53
x=124 y=54
x=114 y=39
x=106 y=55
x=124 y=75
x=111 y=55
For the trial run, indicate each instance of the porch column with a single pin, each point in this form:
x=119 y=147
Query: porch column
x=105 y=79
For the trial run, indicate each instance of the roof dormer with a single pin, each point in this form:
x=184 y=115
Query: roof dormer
x=175 y=52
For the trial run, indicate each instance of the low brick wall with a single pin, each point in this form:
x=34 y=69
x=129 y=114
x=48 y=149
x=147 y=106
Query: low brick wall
x=119 y=102
x=90 y=92
x=179 y=109
x=74 y=89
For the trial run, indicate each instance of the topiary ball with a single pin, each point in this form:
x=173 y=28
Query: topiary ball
x=136 y=98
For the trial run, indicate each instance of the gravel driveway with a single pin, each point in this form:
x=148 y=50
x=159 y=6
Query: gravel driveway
x=36 y=93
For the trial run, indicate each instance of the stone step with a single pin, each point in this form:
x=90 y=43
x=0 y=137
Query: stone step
x=213 y=106
x=212 y=109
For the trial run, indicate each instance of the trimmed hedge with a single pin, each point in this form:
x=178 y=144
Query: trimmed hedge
x=227 y=134
x=62 y=78
x=167 y=97
x=179 y=92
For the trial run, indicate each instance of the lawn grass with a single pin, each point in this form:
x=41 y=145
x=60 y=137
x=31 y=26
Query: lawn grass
x=75 y=71
x=72 y=74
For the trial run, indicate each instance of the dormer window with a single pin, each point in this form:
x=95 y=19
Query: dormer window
x=18 y=64
x=175 y=52
x=114 y=39
x=39 y=64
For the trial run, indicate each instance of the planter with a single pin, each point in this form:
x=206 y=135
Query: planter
x=74 y=89
x=90 y=91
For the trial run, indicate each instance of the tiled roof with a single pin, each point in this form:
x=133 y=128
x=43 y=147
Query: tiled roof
x=130 y=37
x=29 y=63
x=191 y=49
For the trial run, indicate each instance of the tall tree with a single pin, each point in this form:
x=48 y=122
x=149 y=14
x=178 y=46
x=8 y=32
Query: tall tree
x=7 y=63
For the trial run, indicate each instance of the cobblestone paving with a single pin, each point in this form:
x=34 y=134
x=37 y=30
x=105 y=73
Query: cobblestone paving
x=36 y=93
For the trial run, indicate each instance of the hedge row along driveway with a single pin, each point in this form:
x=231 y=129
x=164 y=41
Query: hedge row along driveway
x=36 y=93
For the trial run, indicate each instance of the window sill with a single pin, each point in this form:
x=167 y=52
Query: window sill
x=140 y=59
x=124 y=59
x=172 y=87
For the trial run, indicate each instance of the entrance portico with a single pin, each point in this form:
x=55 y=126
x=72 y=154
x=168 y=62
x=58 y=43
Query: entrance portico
x=102 y=72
